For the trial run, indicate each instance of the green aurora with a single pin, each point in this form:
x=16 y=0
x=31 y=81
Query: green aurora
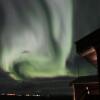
x=36 y=39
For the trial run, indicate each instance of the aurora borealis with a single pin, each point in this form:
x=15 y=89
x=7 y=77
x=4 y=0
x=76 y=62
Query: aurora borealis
x=36 y=38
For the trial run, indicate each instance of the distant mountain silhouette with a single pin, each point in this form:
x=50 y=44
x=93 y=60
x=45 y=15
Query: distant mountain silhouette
x=42 y=86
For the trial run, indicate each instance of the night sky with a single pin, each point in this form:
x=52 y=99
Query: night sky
x=38 y=37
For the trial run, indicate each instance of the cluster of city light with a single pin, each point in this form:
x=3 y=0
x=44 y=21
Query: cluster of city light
x=14 y=94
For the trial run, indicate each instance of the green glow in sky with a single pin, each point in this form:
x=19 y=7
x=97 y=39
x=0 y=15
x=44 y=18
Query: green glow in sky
x=37 y=38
